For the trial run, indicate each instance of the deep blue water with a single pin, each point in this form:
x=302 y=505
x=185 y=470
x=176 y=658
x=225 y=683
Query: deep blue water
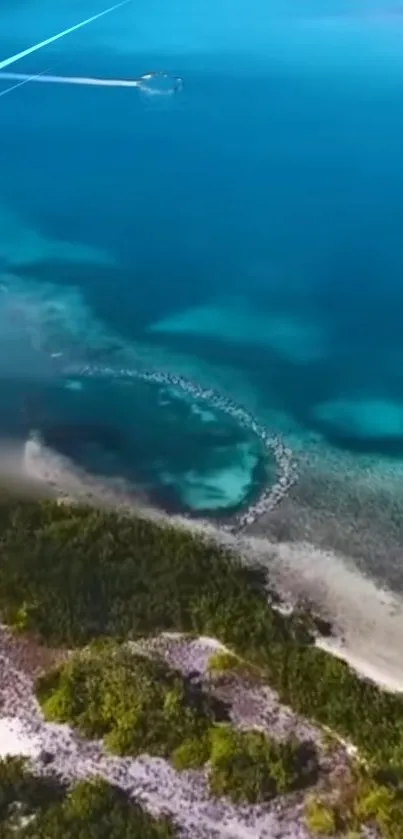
x=250 y=223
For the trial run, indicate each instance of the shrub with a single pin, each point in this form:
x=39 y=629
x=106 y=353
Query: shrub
x=249 y=767
x=137 y=704
x=222 y=661
x=320 y=818
x=193 y=753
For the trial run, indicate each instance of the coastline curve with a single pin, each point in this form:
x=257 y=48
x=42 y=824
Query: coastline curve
x=286 y=465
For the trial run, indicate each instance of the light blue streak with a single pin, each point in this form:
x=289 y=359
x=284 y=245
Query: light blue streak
x=25 y=80
x=7 y=61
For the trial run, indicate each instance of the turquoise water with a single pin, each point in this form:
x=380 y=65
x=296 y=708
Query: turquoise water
x=245 y=232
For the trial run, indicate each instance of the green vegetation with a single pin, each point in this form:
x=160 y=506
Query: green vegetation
x=137 y=704
x=18 y=786
x=321 y=818
x=222 y=662
x=249 y=767
x=358 y=800
x=74 y=574
x=192 y=753
x=39 y=808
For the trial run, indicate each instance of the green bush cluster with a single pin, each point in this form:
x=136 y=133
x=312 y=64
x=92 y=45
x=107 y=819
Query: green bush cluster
x=136 y=703
x=223 y=662
x=41 y=808
x=250 y=767
x=361 y=801
x=321 y=817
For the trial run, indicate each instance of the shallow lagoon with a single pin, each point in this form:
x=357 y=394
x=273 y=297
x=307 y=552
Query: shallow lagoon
x=245 y=232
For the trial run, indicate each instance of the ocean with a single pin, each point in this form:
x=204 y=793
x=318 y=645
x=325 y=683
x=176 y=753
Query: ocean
x=243 y=230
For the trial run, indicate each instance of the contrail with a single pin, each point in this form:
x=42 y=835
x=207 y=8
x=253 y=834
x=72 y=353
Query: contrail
x=80 y=80
x=165 y=84
x=13 y=58
x=26 y=78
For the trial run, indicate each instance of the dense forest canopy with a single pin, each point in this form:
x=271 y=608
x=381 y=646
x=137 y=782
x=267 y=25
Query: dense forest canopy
x=73 y=574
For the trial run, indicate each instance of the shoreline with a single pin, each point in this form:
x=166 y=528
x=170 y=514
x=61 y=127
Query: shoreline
x=366 y=620
x=387 y=681
x=363 y=616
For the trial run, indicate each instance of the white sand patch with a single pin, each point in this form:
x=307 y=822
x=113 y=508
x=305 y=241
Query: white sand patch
x=152 y=781
x=252 y=705
x=385 y=676
x=188 y=655
x=212 y=644
x=15 y=740
x=299 y=340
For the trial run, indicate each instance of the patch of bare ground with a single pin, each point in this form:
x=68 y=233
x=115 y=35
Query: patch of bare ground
x=185 y=795
x=253 y=704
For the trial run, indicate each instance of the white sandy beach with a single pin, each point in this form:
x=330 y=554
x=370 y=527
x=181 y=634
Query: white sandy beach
x=368 y=620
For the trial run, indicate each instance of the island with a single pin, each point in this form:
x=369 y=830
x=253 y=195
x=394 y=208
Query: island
x=159 y=688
